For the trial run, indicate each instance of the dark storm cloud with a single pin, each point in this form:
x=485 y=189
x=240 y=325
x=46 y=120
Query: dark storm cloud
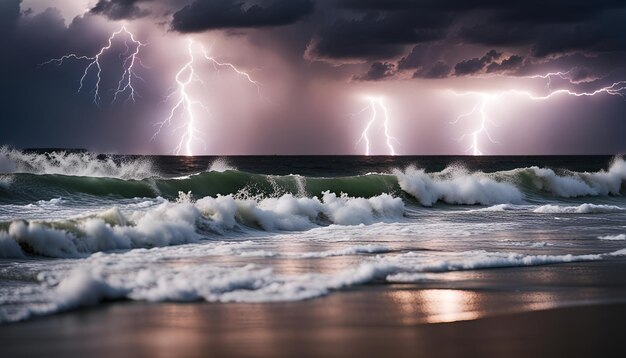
x=582 y=74
x=605 y=34
x=9 y=14
x=417 y=58
x=383 y=30
x=41 y=105
x=468 y=67
x=204 y=15
x=510 y=64
x=376 y=4
x=597 y=31
x=476 y=65
x=376 y=35
x=369 y=31
x=553 y=11
x=378 y=71
x=119 y=9
x=426 y=62
x=439 y=69
x=504 y=11
x=421 y=55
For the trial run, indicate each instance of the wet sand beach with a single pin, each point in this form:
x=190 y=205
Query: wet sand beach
x=376 y=320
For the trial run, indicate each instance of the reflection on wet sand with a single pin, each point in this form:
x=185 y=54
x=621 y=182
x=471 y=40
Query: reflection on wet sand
x=379 y=320
x=435 y=305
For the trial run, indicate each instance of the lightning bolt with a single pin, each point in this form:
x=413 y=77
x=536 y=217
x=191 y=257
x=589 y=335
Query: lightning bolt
x=217 y=64
x=184 y=77
x=129 y=61
x=186 y=102
x=479 y=111
x=479 y=108
x=375 y=102
x=548 y=76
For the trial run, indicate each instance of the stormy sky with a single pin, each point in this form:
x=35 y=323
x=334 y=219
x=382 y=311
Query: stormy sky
x=452 y=76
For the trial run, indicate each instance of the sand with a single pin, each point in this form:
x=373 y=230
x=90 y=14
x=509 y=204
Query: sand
x=379 y=320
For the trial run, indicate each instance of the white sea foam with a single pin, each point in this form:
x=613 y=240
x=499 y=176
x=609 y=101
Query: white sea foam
x=288 y=212
x=526 y=243
x=608 y=182
x=411 y=277
x=621 y=252
x=456 y=186
x=572 y=184
x=221 y=165
x=48 y=203
x=563 y=186
x=103 y=277
x=500 y=208
x=180 y=222
x=348 y=251
x=81 y=289
x=130 y=275
x=77 y=164
x=164 y=225
x=482 y=259
x=354 y=250
x=620 y=237
x=474 y=260
x=581 y=209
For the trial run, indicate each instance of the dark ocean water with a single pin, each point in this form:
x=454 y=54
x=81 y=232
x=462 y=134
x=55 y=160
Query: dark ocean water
x=78 y=228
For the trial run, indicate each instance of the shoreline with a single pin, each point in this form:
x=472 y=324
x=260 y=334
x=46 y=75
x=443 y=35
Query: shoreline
x=321 y=327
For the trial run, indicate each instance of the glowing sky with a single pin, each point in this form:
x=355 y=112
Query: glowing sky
x=309 y=76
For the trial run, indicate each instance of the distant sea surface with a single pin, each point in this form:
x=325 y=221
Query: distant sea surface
x=79 y=229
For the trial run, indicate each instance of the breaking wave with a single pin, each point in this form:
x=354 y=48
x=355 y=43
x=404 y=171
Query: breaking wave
x=184 y=221
x=34 y=177
x=82 y=164
x=456 y=186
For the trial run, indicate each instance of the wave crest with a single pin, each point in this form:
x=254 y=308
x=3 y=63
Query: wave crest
x=107 y=176
x=573 y=184
x=456 y=186
x=183 y=221
x=75 y=164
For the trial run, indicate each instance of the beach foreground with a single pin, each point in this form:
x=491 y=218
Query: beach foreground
x=460 y=318
x=331 y=326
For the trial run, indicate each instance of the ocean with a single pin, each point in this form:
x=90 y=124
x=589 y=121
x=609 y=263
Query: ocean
x=81 y=230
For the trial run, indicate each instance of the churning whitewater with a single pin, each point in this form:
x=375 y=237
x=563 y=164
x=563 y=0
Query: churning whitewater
x=77 y=229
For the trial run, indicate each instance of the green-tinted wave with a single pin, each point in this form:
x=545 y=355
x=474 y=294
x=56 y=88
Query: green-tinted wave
x=29 y=187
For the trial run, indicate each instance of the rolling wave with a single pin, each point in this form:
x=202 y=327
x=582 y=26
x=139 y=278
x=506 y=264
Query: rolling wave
x=184 y=221
x=454 y=185
x=75 y=164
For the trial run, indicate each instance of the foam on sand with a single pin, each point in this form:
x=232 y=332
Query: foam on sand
x=116 y=276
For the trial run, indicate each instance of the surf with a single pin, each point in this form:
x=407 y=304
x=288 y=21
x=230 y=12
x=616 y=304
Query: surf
x=454 y=185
